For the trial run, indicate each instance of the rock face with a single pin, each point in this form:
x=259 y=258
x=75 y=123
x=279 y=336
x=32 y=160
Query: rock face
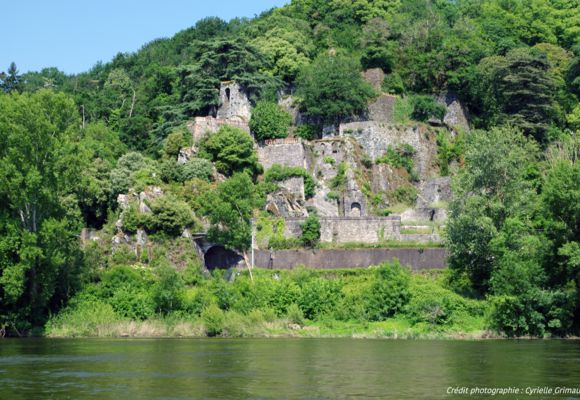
x=433 y=191
x=283 y=203
x=234 y=103
x=456 y=115
x=383 y=109
x=375 y=77
x=376 y=137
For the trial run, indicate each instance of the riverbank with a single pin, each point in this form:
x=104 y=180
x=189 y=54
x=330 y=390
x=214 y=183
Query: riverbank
x=387 y=301
x=238 y=326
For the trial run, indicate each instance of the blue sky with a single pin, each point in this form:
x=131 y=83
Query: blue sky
x=73 y=35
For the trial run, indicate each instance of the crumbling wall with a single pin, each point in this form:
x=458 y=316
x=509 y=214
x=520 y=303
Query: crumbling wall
x=376 y=137
x=201 y=126
x=234 y=103
x=349 y=229
x=288 y=153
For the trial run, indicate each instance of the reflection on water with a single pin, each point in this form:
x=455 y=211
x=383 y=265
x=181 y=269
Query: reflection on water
x=278 y=368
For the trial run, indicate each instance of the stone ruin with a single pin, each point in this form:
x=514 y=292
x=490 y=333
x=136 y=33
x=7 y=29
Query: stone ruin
x=234 y=110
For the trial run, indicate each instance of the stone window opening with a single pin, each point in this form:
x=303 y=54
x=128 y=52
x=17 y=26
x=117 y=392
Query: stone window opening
x=355 y=209
x=228 y=94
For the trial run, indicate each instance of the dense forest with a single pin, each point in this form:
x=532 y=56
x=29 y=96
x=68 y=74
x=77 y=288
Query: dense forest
x=70 y=144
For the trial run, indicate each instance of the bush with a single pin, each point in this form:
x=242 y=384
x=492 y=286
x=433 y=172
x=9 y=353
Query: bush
x=231 y=150
x=269 y=121
x=310 y=231
x=319 y=297
x=437 y=306
x=167 y=291
x=213 y=318
x=389 y=293
x=306 y=132
x=168 y=215
x=406 y=194
x=393 y=84
x=133 y=303
x=295 y=314
x=196 y=168
x=426 y=107
x=279 y=173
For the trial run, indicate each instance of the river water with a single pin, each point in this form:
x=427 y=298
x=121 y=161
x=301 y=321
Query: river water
x=284 y=368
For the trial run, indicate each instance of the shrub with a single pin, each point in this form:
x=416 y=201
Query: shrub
x=437 y=306
x=279 y=173
x=425 y=107
x=133 y=303
x=310 y=231
x=389 y=293
x=231 y=150
x=168 y=215
x=167 y=291
x=213 y=318
x=269 y=121
x=393 y=83
x=306 y=132
x=196 y=168
x=319 y=297
x=406 y=194
x=295 y=314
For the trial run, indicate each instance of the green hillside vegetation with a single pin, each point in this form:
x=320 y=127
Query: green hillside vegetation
x=70 y=144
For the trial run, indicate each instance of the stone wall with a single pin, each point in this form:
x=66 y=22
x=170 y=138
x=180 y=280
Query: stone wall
x=376 y=137
x=286 y=154
x=417 y=259
x=350 y=230
x=200 y=126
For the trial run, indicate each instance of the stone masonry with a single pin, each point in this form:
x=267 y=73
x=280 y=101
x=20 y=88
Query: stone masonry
x=350 y=229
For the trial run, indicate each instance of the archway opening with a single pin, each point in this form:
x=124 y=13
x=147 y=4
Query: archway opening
x=218 y=257
x=228 y=94
x=355 y=209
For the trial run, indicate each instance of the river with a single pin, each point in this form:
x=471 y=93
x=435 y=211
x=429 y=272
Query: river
x=284 y=368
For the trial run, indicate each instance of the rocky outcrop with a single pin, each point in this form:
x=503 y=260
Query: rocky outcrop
x=434 y=191
x=375 y=138
x=456 y=115
x=284 y=203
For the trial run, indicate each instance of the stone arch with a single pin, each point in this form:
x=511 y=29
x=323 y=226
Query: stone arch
x=218 y=257
x=355 y=209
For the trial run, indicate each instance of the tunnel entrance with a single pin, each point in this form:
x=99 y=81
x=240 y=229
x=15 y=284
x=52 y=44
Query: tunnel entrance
x=218 y=257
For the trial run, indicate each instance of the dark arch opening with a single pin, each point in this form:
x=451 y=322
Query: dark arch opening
x=228 y=94
x=218 y=257
x=355 y=209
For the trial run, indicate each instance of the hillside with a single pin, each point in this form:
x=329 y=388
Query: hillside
x=318 y=125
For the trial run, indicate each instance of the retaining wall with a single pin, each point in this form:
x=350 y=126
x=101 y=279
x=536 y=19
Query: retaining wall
x=417 y=259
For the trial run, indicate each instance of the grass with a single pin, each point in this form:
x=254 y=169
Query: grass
x=236 y=325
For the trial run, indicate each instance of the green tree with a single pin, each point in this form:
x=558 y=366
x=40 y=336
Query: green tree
x=231 y=150
x=269 y=121
x=40 y=267
x=492 y=187
x=11 y=81
x=229 y=210
x=332 y=88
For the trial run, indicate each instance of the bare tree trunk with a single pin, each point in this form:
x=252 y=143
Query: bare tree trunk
x=245 y=255
x=133 y=99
